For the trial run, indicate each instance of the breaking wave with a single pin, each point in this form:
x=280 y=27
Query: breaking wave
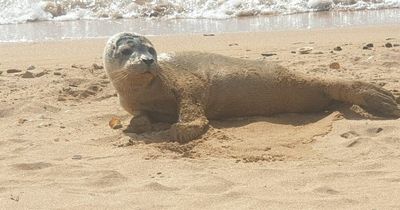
x=21 y=11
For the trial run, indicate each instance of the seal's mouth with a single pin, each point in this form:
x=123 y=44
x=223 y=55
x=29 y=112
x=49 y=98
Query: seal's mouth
x=139 y=68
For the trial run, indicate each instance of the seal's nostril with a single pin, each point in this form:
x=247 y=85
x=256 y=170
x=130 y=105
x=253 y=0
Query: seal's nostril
x=148 y=61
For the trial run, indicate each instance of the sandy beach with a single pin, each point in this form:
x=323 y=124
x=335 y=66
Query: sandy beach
x=57 y=150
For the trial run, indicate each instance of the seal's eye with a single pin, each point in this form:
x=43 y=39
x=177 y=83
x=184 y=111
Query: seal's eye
x=152 y=51
x=127 y=51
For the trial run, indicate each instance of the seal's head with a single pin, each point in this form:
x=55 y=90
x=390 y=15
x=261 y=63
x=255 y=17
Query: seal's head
x=130 y=56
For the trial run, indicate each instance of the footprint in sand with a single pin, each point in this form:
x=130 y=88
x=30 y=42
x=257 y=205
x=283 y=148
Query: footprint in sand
x=6 y=112
x=373 y=131
x=106 y=178
x=326 y=190
x=27 y=108
x=155 y=186
x=81 y=88
x=362 y=141
x=349 y=135
x=206 y=184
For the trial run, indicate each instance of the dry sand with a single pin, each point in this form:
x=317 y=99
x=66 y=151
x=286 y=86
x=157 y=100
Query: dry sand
x=58 y=152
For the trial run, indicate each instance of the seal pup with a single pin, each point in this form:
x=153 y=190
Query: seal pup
x=189 y=88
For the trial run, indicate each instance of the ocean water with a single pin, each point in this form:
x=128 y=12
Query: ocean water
x=35 y=20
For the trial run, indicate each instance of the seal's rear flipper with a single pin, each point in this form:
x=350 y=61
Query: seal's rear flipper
x=372 y=98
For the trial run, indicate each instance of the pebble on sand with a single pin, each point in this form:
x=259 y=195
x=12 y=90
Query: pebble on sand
x=76 y=157
x=334 y=65
x=388 y=45
x=268 y=54
x=338 y=48
x=96 y=66
x=40 y=74
x=61 y=98
x=22 y=121
x=368 y=46
x=10 y=71
x=28 y=74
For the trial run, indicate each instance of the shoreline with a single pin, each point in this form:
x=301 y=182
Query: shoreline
x=81 y=29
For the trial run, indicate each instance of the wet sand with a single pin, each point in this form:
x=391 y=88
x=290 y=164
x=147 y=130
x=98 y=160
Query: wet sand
x=58 y=151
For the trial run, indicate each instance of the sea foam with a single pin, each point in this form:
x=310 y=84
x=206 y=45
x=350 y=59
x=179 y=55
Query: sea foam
x=20 y=11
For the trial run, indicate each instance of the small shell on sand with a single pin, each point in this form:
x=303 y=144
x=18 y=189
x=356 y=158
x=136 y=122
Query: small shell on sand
x=31 y=67
x=115 y=123
x=305 y=50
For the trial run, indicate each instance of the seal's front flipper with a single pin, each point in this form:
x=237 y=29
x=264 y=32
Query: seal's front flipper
x=192 y=122
x=186 y=131
x=140 y=123
x=190 y=93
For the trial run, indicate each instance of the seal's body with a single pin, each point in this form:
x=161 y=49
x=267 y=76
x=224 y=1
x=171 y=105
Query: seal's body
x=188 y=88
